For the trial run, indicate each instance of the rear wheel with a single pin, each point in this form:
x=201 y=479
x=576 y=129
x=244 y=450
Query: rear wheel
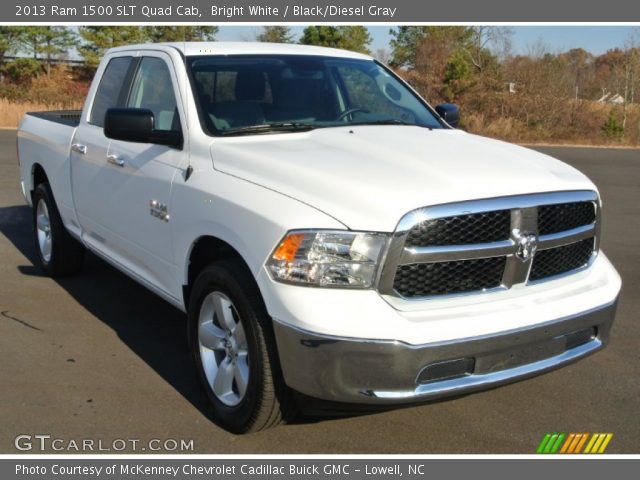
x=232 y=343
x=59 y=253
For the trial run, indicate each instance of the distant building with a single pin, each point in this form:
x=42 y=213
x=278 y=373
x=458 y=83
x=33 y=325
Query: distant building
x=614 y=98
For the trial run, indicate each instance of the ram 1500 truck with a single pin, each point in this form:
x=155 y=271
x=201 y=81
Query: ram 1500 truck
x=328 y=233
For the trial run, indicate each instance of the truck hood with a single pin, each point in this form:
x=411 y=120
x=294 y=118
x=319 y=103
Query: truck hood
x=368 y=177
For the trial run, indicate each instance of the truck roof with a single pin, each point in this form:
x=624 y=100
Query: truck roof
x=246 y=48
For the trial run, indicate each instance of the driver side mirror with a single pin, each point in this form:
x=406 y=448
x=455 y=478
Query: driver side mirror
x=138 y=125
x=449 y=113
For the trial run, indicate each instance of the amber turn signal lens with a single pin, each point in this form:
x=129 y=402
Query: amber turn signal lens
x=289 y=247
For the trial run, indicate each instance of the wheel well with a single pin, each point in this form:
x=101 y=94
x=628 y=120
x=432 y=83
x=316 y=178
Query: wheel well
x=39 y=176
x=204 y=252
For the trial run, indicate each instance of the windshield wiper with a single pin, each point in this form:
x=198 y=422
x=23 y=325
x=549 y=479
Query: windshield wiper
x=386 y=121
x=269 y=127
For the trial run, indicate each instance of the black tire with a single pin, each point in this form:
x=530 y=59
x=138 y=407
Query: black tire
x=66 y=254
x=267 y=401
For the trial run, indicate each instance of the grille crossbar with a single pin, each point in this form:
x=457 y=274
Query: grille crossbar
x=422 y=263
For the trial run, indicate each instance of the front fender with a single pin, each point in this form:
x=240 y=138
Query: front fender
x=250 y=218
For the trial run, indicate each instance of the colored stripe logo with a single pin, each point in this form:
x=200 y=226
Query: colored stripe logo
x=574 y=443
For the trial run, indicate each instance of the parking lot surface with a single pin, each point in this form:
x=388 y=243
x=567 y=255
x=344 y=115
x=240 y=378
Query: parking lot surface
x=97 y=356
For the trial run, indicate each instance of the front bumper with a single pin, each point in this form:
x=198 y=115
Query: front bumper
x=386 y=372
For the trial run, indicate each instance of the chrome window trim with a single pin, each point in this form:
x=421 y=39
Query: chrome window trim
x=524 y=218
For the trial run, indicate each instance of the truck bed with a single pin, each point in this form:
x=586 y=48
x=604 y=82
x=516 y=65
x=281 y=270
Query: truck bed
x=65 y=117
x=44 y=138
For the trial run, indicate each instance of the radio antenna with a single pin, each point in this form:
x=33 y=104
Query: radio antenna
x=189 y=169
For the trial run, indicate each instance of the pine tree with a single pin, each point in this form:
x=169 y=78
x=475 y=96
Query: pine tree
x=276 y=34
x=10 y=41
x=404 y=45
x=98 y=39
x=47 y=42
x=354 y=38
x=180 y=33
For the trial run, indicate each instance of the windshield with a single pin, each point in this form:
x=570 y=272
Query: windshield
x=253 y=94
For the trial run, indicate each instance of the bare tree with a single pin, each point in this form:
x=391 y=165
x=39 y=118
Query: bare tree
x=631 y=67
x=496 y=40
x=631 y=73
x=538 y=49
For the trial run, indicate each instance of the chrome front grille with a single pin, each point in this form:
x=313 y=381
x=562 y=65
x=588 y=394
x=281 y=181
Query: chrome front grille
x=441 y=278
x=461 y=229
x=565 y=216
x=490 y=244
x=554 y=261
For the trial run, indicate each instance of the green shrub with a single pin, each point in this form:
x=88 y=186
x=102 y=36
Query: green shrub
x=612 y=128
x=23 y=70
x=13 y=92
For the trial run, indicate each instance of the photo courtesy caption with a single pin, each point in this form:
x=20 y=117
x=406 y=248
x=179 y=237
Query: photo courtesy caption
x=188 y=469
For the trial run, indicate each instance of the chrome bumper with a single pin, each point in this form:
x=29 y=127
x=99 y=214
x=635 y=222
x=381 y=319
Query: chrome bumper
x=387 y=372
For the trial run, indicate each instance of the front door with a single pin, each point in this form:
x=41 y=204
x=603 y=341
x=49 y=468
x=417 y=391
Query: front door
x=134 y=182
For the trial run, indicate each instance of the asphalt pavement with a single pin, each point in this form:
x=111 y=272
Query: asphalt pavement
x=99 y=357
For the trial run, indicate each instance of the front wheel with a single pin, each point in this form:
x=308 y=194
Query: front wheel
x=231 y=341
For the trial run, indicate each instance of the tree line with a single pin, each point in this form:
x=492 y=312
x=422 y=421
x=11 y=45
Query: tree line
x=40 y=47
x=537 y=94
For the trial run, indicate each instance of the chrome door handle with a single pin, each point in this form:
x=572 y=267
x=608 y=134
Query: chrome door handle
x=116 y=160
x=79 y=148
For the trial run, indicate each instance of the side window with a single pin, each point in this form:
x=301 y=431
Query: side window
x=109 y=90
x=153 y=89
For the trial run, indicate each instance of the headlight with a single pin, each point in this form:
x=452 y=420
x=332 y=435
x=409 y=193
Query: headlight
x=328 y=258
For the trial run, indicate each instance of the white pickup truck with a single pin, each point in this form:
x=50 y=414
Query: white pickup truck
x=327 y=232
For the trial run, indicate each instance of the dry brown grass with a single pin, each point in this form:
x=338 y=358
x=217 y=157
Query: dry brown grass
x=57 y=91
x=504 y=128
x=580 y=126
x=12 y=112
